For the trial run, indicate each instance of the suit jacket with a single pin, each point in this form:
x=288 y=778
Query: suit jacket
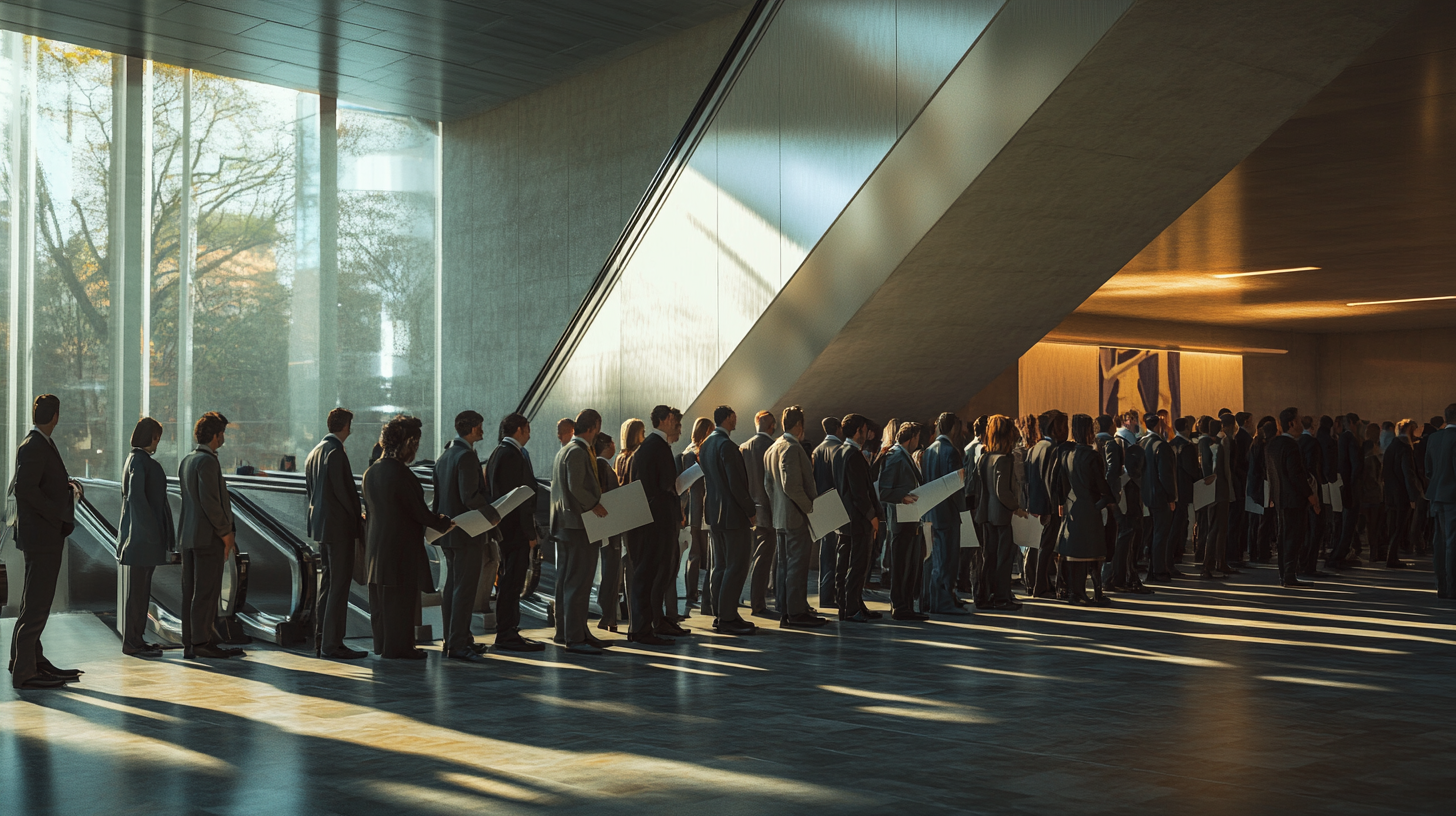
x=1188 y=458
x=655 y=467
x=753 y=452
x=1402 y=485
x=1440 y=466
x=994 y=489
x=45 y=507
x=507 y=470
x=823 y=458
x=1243 y=441
x=207 y=510
x=1289 y=486
x=1213 y=459
x=1309 y=451
x=1257 y=473
x=461 y=486
x=940 y=459
x=1329 y=455
x=1082 y=533
x=788 y=478
x=574 y=487
x=727 y=501
x=146 y=536
x=333 y=498
x=1039 y=465
x=856 y=488
x=1159 y=474
x=1112 y=457
x=1351 y=460
x=692 y=501
x=394 y=538
x=898 y=478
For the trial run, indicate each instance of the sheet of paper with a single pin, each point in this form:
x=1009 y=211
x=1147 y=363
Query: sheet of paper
x=1251 y=506
x=686 y=479
x=1026 y=532
x=929 y=495
x=1146 y=511
x=925 y=537
x=1122 y=495
x=626 y=510
x=829 y=515
x=1104 y=517
x=1337 y=503
x=969 y=539
x=1203 y=494
x=510 y=501
x=474 y=523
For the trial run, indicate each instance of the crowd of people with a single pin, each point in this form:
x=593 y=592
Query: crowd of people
x=1049 y=502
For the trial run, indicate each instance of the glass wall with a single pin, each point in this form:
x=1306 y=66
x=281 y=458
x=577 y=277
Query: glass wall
x=276 y=256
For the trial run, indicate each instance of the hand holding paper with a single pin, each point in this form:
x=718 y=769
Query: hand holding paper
x=686 y=479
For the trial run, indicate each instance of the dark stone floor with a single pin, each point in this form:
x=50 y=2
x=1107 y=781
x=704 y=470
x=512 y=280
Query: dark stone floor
x=1235 y=697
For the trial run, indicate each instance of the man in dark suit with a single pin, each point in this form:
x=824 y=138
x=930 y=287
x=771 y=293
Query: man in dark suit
x=1040 y=467
x=1238 y=521
x=1188 y=469
x=206 y=537
x=1122 y=573
x=1402 y=490
x=823 y=460
x=1350 y=466
x=1160 y=494
x=898 y=479
x=1314 y=530
x=943 y=457
x=652 y=546
x=1292 y=493
x=729 y=508
x=1112 y=459
x=761 y=569
x=335 y=524
x=460 y=487
x=1440 y=467
x=507 y=469
x=45 y=508
x=857 y=492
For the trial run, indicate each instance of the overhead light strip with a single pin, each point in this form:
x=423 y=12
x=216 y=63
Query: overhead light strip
x=1402 y=300
x=1266 y=272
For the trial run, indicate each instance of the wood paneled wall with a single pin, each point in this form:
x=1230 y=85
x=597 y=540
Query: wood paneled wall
x=1064 y=376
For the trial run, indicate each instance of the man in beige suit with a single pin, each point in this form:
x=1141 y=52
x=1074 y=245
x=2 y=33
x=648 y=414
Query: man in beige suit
x=788 y=479
x=575 y=491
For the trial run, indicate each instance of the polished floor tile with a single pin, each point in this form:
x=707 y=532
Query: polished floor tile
x=1232 y=697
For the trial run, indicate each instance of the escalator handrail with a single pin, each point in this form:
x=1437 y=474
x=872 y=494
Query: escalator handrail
x=302 y=552
x=702 y=116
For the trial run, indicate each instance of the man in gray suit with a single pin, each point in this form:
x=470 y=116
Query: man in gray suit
x=762 y=568
x=823 y=459
x=788 y=479
x=729 y=509
x=1441 y=492
x=459 y=488
x=335 y=523
x=45 y=515
x=205 y=535
x=898 y=479
x=575 y=492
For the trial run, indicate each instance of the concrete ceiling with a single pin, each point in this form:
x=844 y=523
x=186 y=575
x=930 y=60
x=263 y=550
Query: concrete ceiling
x=1358 y=183
x=438 y=59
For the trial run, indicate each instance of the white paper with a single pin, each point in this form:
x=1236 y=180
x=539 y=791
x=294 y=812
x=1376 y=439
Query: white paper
x=684 y=540
x=1337 y=503
x=1122 y=494
x=1104 y=517
x=510 y=501
x=686 y=479
x=1251 y=506
x=1203 y=494
x=969 y=540
x=925 y=530
x=474 y=523
x=1146 y=511
x=929 y=495
x=1026 y=532
x=626 y=510
x=829 y=514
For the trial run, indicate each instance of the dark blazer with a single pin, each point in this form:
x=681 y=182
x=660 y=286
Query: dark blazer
x=1038 y=464
x=146 y=536
x=940 y=459
x=1243 y=441
x=753 y=451
x=1289 y=486
x=394 y=538
x=727 y=501
x=505 y=471
x=1329 y=455
x=898 y=478
x=1441 y=466
x=1351 y=459
x=1402 y=485
x=1159 y=475
x=461 y=486
x=693 y=500
x=1112 y=457
x=856 y=488
x=655 y=467
x=1189 y=469
x=207 y=509
x=1084 y=475
x=1309 y=451
x=44 y=505
x=1213 y=456
x=823 y=459
x=1257 y=474
x=994 y=489
x=333 y=497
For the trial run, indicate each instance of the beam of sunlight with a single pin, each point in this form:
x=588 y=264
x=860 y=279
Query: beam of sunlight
x=976 y=627
x=689 y=658
x=1142 y=654
x=100 y=702
x=1213 y=620
x=686 y=670
x=943 y=644
x=545 y=664
x=725 y=647
x=615 y=709
x=1344 y=647
x=361 y=671
x=500 y=789
x=439 y=800
x=889 y=698
x=73 y=732
x=1320 y=681
x=934 y=714
x=1295 y=613
x=1008 y=673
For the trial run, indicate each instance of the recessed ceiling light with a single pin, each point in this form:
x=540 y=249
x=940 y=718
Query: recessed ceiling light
x=1402 y=300
x=1266 y=272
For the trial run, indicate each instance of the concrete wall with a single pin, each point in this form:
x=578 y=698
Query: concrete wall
x=535 y=194
x=1388 y=375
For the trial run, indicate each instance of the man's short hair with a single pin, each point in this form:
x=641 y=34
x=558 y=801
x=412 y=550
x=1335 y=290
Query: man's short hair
x=1243 y=416
x=721 y=414
x=1181 y=424
x=662 y=412
x=1229 y=421
x=851 y=425
x=146 y=430
x=1223 y=411
x=467 y=421
x=979 y=426
x=830 y=425
x=760 y=418
x=1151 y=421
x=601 y=443
x=45 y=408
x=1306 y=421
x=511 y=424
x=208 y=426
x=587 y=420
x=907 y=432
x=793 y=416
x=1287 y=418
x=565 y=424
x=946 y=423
x=1046 y=422
x=1104 y=423
x=339 y=419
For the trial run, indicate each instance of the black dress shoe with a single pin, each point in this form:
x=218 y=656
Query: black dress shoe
x=42 y=681
x=345 y=653
x=738 y=627
x=804 y=621
x=1008 y=606
x=873 y=615
x=520 y=645
x=1079 y=601
x=1295 y=582
x=650 y=640
x=858 y=617
x=146 y=651
x=47 y=667
x=1102 y=601
x=467 y=655
x=211 y=651
x=607 y=627
x=1140 y=590
x=763 y=613
x=480 y=648
x=672 y=630
x=583 y=648
x=598 y=643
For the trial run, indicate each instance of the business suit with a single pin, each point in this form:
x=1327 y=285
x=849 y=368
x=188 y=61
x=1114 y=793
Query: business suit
x=609 y=591
x=699 y=554
x=334 y=523
x=1262 y=526
x=396 y=566
x=1350 y=463
x=898 y=478
x=1160 y=489
x=938 y=576
x=146 y=538
x=1040 y=463
x=1290 y=489
x=996 y=501
x=857 y=492
x=1189 y=469
x=1213 y=458
x=823 y=459
x=761 y=568
x=207 y=516
x=1238 y=519
x=1113 y=470
x=575 y=490
x=460 y=486
x=788 y=479
x=1402 y=489
x=653 y=546
x=45 y=515
x=1440 y=468
x=1329 y=472
x=507 y=469
x=1122 y=573
x=729 y=509
x=1314 y=530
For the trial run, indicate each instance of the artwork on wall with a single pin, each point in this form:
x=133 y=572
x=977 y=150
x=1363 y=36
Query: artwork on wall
x=1141 y=380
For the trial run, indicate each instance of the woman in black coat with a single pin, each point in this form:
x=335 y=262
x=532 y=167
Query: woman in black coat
x=146 y=537
x=1082 y=539
x=394 y=534
x=992 y=488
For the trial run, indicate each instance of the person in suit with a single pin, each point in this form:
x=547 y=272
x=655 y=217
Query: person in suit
x=632 y=432
x=942 y=458
x=397 y=566
x=565 y=430
x=335 y=523
x=460 y=486
x=823 y=459
x=1440 y=466
x=898 y=480
x=1160 y=492
x=508 y=468
x=1239 y=462
x=1213 y=458
x=857 y=492
x=1292 y=493
x=206 y=537
x=788 y=479
x=575 y=492
x=1040 y=467
x=1122 y=574
x=1081 y=537
x=146 y=536
x=700 y=553
x=1309 y=450
x=729 y=511
x=1255 y=489
x=995 y=499
x=1420 y=530
x=1348 y=464
x=1402 y=487
x=970 y=555
x=609 y=591
x=1106 y=445
x=1187 y=470
x=762 y=567
x=653 y=546
x=45 y=497
x=1372 y=493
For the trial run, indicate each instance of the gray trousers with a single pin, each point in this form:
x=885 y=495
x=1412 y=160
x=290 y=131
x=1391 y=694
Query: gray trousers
x=731 y=549
x=609 y=592
x=791 y=579
x=42 y=569
x=138 y=603
x=762 y=567
x=333 y=597
x=457 y=599
x=828 y=559
x=576 y=566
x=201 y=595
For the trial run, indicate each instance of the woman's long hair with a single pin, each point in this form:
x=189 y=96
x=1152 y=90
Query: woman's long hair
x=1000 y=434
